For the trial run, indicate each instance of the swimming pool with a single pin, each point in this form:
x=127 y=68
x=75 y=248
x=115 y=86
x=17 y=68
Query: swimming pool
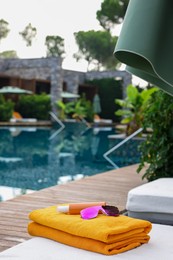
x=35 y=158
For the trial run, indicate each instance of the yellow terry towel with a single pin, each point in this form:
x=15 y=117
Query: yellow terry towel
x=104 y=234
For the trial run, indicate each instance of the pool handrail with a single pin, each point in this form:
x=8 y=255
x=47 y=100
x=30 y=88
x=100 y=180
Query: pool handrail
x=105 y=155
x=62 y=126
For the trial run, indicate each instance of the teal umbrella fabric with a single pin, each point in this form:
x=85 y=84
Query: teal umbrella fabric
x=14 y=90
x=145 y=43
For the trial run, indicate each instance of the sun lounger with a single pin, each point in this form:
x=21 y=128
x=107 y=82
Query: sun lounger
x=103 y=121
x=18 y=118
x=23 y=120
x=152 y=201
x=159 y=247
x=103 y=234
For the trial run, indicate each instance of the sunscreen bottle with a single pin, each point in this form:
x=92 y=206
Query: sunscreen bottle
x=75 y=208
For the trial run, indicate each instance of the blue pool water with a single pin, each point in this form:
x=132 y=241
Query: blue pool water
x=36 y=158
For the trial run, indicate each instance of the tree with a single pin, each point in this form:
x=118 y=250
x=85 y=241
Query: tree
x=8 y=54
x=28 y=34
x=55 y=46
x=3 y=29
x=112 y=12
x=97 y=48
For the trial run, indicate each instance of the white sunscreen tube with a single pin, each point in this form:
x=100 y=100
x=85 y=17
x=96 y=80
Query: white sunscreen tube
x=75 y=208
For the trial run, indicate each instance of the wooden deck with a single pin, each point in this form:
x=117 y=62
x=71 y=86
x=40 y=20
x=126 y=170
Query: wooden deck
x=111 y=187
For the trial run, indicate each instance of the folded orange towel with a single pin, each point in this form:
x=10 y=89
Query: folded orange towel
x=104 y=234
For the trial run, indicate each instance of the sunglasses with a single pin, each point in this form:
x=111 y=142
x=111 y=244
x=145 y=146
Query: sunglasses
x=92 y=212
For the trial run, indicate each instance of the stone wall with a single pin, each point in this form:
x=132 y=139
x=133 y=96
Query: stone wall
x=28 y=68
x=43 y=68
x=124 y=76
x=51 y=69
x=73 y=79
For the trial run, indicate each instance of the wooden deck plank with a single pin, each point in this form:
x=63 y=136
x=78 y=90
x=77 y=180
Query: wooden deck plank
x=112 y=187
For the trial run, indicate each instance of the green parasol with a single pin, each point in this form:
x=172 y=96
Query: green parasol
x=145 y=43
x=14 y=90
x=96 y=104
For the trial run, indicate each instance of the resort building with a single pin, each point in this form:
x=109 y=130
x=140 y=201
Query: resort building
x=47 y=75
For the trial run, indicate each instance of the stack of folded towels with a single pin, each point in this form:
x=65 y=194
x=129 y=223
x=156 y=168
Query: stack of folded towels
x=104 y=234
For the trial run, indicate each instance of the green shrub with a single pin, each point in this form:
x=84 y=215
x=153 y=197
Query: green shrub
x=34 y=106
x=133 y=107
x=81 y=108
x=157 y=149
x=6 y=109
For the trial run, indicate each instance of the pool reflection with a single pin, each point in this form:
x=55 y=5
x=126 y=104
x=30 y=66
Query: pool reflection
x=31 y=159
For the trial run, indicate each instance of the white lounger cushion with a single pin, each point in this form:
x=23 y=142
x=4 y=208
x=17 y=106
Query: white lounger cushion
x=152 y=201
x=159 y=247
x=27 y=120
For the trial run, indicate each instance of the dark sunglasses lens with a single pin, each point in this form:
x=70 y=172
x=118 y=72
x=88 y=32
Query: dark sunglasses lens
x=111 y=210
